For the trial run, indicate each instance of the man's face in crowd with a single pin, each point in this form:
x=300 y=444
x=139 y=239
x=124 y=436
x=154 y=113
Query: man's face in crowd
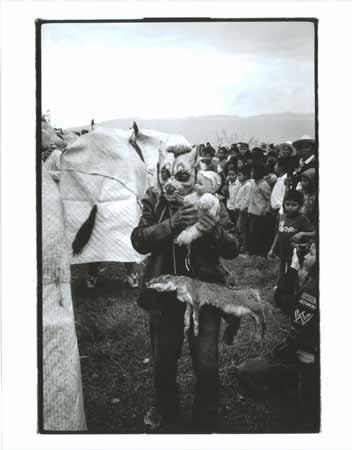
x=286 y=151
x=221 y=154
x=305 y=150
x=243 y=149
x=305 y=182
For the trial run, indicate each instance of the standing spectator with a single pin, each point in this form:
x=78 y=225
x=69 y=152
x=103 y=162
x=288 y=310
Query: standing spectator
x=233 y=188
x=287 y=150
x=233 y=154
x=244 y=152
x=221 y=158
x=279 y=189
x=258 y=156
x=306 y=150
x=222 y=163
x=230 y=173
x=258 y=209
x=270 y=162
x=293 y=227
x=207 y=158
x=309 y=207
x=242 y=202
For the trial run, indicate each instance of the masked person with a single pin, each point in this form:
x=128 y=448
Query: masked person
x=163 y=218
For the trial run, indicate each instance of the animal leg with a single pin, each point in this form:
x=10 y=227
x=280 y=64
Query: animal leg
x=188 y=314
x=261 y=325
x=196 y=319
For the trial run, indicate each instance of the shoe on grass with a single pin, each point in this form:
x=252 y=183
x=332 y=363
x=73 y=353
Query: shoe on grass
x=132 y=280
x=153 y=419
x=91 y=282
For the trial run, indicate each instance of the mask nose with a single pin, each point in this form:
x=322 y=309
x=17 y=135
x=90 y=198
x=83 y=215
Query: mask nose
x=170 y=189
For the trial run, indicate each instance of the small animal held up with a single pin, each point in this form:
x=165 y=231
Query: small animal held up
x=233 y=303
x=204 y=199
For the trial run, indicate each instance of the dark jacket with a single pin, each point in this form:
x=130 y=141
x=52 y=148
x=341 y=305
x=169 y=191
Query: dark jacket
x=154 y=235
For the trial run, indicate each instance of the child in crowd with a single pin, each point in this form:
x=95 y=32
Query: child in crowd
x=221 y=163
x=279 y=189
x=258 y=210
x=309 y=208
x=293 y=227
x=221 y=159
x=207 y=158
x=233 y=186
x=242 y=202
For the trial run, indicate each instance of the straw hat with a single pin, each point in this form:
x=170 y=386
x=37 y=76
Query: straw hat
x=305 y=139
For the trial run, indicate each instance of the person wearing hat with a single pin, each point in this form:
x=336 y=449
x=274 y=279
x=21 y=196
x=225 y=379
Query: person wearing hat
x=164 y=217
x=306 y=150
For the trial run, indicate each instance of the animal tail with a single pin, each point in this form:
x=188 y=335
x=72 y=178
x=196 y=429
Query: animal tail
x=84 y=233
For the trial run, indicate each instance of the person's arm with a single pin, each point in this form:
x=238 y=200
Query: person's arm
x=307 y=232
x=265 y=191
x=149 y=234
x=277 y=194
x=271 y=252
x=246 y=196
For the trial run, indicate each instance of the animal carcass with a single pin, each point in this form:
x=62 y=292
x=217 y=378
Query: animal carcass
x=233 y=303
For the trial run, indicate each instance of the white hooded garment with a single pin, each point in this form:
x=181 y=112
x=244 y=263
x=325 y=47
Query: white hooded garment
x=102 y=168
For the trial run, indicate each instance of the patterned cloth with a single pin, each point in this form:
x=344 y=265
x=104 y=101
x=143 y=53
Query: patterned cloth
x=101 y=168
x=62 y=388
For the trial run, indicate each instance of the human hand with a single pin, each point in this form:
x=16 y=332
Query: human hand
x=270 y=254
x=297 y=237
x=186 y=216
x=207 y=223
x=295 y=260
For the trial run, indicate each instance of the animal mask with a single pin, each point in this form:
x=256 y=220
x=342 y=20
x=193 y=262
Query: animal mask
x=177 y=168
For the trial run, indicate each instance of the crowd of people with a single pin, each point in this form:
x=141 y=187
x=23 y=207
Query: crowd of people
x=268 y=191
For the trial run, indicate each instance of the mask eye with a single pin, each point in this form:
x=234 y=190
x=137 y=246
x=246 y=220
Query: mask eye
x=165 y=174
x=182 y=176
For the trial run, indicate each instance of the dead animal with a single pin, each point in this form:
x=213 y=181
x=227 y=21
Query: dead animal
x=232 y=303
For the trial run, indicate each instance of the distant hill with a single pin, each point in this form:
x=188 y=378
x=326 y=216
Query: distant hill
x=226 y=129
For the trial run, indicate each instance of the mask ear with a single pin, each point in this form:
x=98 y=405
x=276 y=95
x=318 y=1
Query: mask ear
x=197 y=158
x=135 y=128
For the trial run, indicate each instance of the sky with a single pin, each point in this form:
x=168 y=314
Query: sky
x=170 y=70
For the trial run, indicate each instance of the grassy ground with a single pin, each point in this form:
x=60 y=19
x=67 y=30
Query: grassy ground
x=116 y=361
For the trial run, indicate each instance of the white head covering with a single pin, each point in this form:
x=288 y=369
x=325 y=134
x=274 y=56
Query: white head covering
x=214 y=178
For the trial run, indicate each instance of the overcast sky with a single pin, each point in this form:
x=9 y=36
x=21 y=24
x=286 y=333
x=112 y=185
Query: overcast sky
x=161 y=70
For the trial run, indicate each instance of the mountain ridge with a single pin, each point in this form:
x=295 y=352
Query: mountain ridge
x=225 y=129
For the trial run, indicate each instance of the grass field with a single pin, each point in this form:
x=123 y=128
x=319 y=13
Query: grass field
x=116 y=361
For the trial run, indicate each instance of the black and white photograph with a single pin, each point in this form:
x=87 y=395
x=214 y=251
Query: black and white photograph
x=178 y=226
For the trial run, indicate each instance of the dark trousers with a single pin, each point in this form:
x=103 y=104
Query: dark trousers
x=258 y=240
x=167 y=332
x=233 y=214
x=242 y=230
